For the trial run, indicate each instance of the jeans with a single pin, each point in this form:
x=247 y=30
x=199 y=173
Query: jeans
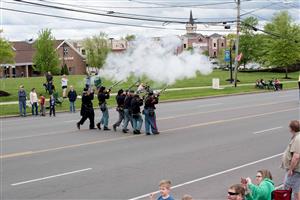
x=150 y=121
x=22 y=107
x=105 y=117
x=137 y=122
x=34 y=108
x=127 y=119
x=72 y=106
x=121 y=117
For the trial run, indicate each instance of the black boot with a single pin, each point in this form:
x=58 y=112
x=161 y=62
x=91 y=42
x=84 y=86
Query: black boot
x=106 y=129
x=98 y=126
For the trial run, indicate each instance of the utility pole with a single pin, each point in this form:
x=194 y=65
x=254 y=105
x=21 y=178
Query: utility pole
x=237 y=41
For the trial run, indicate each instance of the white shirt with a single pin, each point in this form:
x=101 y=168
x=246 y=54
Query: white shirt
x=33 y=97
x=64 y=82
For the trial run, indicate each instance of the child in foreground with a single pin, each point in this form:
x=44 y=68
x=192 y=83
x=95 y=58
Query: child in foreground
x=164 y=189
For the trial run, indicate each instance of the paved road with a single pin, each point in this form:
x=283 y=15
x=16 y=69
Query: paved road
x=204 y=146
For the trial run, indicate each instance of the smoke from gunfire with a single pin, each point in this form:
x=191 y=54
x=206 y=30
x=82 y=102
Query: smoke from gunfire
x=156 y=60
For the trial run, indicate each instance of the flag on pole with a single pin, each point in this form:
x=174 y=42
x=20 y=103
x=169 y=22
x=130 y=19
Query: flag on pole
x=239 y=57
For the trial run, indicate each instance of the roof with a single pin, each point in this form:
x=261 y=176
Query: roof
x=216 y=35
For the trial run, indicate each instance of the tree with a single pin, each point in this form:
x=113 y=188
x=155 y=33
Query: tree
x=46 y=57
x=130 y=37
x=247 y=42
x=6 y=52
x=65 y=70
x=97 y=50
x=283 y=42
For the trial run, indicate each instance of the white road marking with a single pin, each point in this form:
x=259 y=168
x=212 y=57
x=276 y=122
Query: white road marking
x=48 y=177
x=208 y=105
x=212 y=175
x=266 y=130
x=45 y=134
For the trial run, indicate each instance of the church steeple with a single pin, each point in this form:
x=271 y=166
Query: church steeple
x=191 y=18
x=191 y=27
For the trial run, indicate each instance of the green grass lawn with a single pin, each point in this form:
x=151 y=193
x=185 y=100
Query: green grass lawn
x=11 y=85
x=168 y=95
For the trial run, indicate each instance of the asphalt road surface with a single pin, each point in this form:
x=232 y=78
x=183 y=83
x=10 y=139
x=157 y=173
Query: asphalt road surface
x=204 y=147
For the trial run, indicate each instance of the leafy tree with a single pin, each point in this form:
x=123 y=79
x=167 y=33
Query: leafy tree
x=283 y=42
x=130 y=37
x=46 y=56
x=6 y=52
x=65 y=70
x=247 y=43
x=97 y=50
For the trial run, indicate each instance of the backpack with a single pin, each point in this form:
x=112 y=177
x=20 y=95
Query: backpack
x=282 y=194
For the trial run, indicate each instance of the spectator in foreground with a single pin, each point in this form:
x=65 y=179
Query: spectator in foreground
x=290 y=161
x=236 y=192
x=187 y=197
x=263 y=188
x=164 y=188
x=22 y=101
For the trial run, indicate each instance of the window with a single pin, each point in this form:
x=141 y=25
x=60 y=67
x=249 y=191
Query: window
x=184 y=46
x=83 y=51
x=222 y=44
x=215 y=53
x=215 y=44
x=65 y=51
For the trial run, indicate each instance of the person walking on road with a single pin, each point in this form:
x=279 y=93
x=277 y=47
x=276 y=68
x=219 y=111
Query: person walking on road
x=34 y=102
x=290 y=161
x=72 y=95
x=120 y=98
x=102 y=96
x=149 y=112
x=22 y=101
x=127 y=111
x=137 y=119
x=87 y=110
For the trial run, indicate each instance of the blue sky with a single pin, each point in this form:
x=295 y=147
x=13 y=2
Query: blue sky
x=22 y=26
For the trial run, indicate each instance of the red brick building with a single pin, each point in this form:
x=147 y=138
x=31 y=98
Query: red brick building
x=24 y=52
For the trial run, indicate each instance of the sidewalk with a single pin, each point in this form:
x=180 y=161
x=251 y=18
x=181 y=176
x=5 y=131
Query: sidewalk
x=170 y=89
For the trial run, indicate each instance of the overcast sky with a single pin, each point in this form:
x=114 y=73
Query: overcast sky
x=21 y=26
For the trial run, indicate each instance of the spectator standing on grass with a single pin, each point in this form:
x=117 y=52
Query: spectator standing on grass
x=236 y=192
x=290 y=161
x=52 y=105
x=64 y=85
x=42 y=105
x=34 y=102
x=72 y=95
x=263 y=188
x=22 y=101
x=164 y=189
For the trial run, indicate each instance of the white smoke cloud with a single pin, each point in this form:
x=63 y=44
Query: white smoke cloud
x=157 y=60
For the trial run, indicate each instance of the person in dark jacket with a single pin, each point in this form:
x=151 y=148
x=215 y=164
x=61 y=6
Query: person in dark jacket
x=22 y=101
x=137 y=119
x=52 y=105
x=149 y=112
x=127 y=111
x=120 y=98
x=72 y=95
x=102 y=96
x=49 y=79
x=87 y=110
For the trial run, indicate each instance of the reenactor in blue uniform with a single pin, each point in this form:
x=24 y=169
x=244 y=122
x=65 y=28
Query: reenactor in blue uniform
x=149 y=112
x=120 y=98
x=102 y=96
x=137 y=120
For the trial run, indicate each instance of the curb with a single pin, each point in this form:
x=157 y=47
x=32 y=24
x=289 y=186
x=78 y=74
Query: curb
x=176 y=100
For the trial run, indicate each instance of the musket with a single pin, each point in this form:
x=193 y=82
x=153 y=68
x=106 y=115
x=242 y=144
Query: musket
x=162 y=90
x=134 y=84
x=115 y=84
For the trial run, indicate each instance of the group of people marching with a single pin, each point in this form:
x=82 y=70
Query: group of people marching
x=129 y=106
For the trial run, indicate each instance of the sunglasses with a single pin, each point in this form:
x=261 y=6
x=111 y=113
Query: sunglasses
x=232 y=193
